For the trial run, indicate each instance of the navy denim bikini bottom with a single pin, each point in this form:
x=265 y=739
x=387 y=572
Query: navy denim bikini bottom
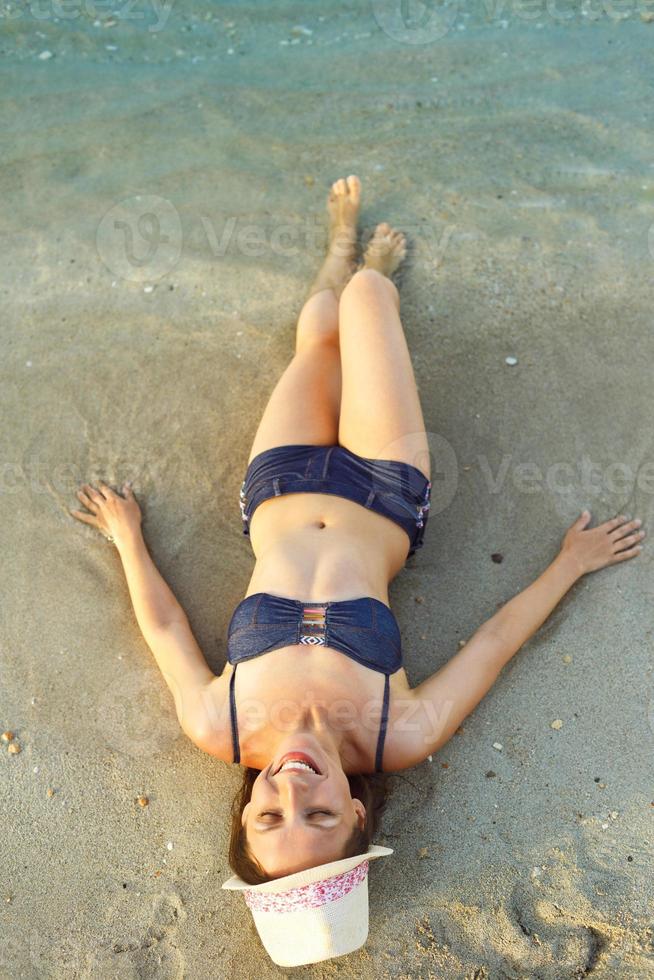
x=395 y=489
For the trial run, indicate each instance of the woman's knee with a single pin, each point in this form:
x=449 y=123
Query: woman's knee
x=318 y=320
x=370 y=282
x=312 y=330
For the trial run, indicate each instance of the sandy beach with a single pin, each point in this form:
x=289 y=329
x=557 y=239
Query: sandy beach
x=163 y=179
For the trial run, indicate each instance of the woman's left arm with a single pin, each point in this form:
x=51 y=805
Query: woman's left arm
x=442 y=701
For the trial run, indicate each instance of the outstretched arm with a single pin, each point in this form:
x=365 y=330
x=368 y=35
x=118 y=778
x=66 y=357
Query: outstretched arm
x=448 y=696
x=160 y=617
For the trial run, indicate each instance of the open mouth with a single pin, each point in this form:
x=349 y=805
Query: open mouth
x=297 y=762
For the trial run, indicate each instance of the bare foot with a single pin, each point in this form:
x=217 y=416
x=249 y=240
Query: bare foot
x=343 y=205
x=386 y=250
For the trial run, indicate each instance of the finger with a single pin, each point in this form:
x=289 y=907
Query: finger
x=127 y=489
x=582 y=520
x=86 y=518
x=630 y=553
x=613 y=523
x=628 y=541
x=624 y=529
x=86 y=501
x=94 y=494
x=106 y=490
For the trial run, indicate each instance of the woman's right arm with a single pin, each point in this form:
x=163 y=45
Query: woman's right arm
x=200 y=696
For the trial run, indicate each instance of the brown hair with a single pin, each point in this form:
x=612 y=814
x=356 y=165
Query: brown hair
x=370 y=789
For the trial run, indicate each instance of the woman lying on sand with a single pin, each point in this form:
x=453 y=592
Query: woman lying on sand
x=314 y=697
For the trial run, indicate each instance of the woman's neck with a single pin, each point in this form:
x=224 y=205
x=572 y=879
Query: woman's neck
x=308 y=730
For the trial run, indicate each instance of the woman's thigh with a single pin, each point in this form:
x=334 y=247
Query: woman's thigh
x=304 y=406
x=381 y=416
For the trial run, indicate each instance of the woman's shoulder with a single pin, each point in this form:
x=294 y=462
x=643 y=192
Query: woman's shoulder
x=405 y=744
x=207 y=720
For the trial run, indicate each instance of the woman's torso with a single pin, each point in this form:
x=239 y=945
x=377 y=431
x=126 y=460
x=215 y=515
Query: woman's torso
x=318 y=548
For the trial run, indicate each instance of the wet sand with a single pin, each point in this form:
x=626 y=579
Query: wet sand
x=142 y=336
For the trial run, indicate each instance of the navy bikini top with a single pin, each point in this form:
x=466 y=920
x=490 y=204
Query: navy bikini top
x=363 y=629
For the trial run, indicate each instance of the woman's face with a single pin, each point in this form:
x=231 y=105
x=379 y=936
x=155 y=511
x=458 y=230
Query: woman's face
x=301 y=812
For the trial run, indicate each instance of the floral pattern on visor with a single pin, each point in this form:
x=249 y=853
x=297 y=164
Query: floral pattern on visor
x=307 y=896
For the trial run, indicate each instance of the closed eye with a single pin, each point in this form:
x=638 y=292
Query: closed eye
x=312 y=813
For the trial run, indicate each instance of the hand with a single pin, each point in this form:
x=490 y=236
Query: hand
x=112 y=514
x=592 y=548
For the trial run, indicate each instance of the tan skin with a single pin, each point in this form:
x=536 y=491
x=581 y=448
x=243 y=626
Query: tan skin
x=350 y=381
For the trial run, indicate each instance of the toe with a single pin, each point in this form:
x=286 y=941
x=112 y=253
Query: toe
x=354 y=187
x=340 y=186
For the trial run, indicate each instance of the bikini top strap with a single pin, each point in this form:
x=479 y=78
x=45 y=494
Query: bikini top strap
x=232 y=714
x=379 y=756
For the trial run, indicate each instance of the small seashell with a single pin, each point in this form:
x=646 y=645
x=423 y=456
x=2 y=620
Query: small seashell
x=566 y=658
x=45 y=55
x=148 y=289
x=142 y=800
x=557 y=723
x=7 y=736
x=50 y=792
x=423 y=852
x=13 y=748
x=498 y=746
x=511 y=360
x=170 y=845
